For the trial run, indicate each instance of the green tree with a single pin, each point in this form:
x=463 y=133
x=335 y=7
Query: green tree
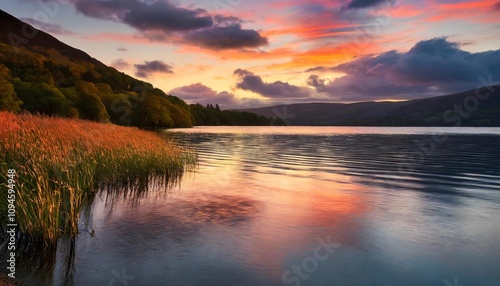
x=118 y=107
x=72 y=98
x=40 y=97
x=180 y=116
x=89 y=103
x=153 y=112
x=8 y=97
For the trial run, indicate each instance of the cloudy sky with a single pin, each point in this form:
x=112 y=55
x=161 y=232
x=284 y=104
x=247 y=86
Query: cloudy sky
x=241 y=53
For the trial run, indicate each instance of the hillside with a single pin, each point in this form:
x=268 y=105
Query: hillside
x=11 y=33
x=432 y=111
x=326 y=113
x=40 y=74
x=419 y=112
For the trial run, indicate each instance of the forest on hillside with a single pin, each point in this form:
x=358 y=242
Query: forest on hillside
x=45 y=81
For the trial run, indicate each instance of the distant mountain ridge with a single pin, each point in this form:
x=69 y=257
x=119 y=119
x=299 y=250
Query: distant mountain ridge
x=433 y=111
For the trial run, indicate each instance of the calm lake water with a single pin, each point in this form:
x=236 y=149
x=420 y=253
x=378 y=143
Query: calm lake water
x=308 y=206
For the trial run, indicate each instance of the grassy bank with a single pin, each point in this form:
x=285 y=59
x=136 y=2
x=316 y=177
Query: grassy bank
x=61 y=162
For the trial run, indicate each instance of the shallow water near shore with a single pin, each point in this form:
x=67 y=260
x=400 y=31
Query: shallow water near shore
x=306 y=206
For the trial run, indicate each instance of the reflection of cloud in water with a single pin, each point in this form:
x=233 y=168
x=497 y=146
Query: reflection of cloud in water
x=183 y=217
x=221 y=209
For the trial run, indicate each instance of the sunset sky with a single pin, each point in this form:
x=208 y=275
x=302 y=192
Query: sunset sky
x=241 y=53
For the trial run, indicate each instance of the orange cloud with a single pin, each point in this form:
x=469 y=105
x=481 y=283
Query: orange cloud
x=474 y=11
x=407 y=11
x=310 y=32
x=323 y=55
x=327 y=55
x=242 y=55
x=118 y=37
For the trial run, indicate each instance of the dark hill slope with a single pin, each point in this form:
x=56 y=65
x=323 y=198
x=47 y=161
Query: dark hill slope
x=444 y=110
x=420 y=112
x=327 y=113
x=14 y=32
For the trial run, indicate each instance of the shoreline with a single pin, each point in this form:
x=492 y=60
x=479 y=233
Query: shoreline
x=59 y=163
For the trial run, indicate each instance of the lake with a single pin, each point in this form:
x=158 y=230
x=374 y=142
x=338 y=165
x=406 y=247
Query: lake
x=307 y=206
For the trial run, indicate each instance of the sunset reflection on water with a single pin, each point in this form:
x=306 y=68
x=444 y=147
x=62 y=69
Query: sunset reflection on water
x=260 y=204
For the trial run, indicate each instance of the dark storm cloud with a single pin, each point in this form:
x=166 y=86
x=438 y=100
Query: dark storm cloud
x=360 y=4
x=230 y=37
x=371 y=88
x=430 y=67
x=148 y=68
x=159 y=15
x=278 y=89
x=200 y=93
x=50 y=28
x=164 y=21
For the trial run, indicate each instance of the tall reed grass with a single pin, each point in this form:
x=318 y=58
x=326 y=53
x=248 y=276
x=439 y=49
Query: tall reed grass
x=61 y=162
